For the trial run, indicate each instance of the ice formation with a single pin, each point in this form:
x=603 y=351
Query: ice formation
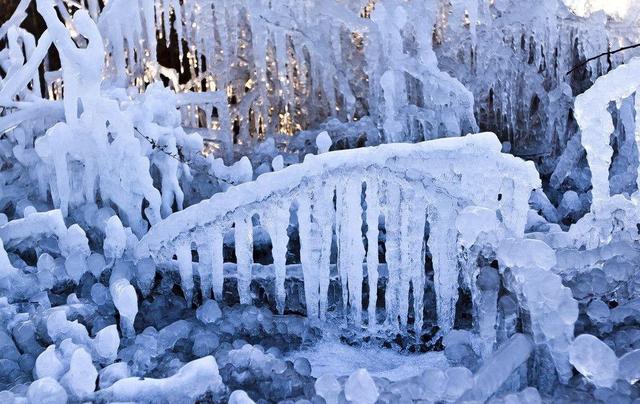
x=311 y=187
x=180 y=220
x=191 y=381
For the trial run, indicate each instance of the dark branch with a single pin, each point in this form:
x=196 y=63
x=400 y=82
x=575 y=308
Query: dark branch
x=180 y=156
x=608 y=53
x=163 y=148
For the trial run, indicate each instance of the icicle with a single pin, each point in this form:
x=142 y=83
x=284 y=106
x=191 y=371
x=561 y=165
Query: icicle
x=244 y=256
x=342 y=274
x=392 y=244
x=282 y=60
x=350 y=246
x=205 y=263
x=308 y=256
x=406 y=248
x=185 y=266
x=373 y=214
x=208 y=112
x=324 y=214
x=637 y=130
x=166 y=14
x=443 y=246
x=413 y=221
x=215 y=240
x=276 y=221
x=148 y=16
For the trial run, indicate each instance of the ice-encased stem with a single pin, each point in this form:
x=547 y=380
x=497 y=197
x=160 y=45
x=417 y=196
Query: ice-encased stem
x=244 y=256
x=276 y=222
x=373 y=215
x=443 y=248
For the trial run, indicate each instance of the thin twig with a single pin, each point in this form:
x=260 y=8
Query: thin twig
x=608 y=53
x=163 y=148
x=179 y=157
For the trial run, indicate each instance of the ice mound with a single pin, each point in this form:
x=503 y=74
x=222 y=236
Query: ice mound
x=595 y=360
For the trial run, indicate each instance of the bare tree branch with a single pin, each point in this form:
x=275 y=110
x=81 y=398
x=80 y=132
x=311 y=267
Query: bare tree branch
x=608 y=53
x=163 y=148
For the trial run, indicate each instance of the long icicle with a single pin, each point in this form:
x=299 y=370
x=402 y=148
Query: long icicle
x=442 y=244
x=392 y=244
x=276 y=222
x=324 y=217
x=307 y=256
x=185 y=267
x=373 y=214
x=414 y=258
x=217 y=263
x=350 y=246
x=205 y=263
x=244 y=256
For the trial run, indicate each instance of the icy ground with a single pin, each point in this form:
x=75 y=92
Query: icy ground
x=239 y=201
x=332 y=357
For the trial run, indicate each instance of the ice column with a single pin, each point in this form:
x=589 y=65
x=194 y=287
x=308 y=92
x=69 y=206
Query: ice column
x=244 y=256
